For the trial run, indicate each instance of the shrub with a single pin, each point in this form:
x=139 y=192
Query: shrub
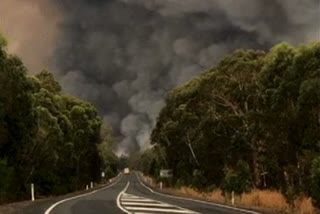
x=315 y=181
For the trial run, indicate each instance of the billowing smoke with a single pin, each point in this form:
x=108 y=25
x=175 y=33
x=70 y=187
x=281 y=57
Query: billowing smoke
x=123 y=55
x=32 y=28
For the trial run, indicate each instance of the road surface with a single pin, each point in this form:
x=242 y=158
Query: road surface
x=129 y=195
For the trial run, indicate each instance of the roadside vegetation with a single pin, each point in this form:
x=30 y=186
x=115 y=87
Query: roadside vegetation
x=249 y=125
x=48 y=138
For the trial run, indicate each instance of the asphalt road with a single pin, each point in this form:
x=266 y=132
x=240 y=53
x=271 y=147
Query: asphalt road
x=129 y=195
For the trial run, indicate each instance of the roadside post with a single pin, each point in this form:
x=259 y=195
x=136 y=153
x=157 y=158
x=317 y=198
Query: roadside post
x=103 y=177
x=91 y=184
x=165 y=174
x=264 y=178
x=232 y=198
x=32 y=192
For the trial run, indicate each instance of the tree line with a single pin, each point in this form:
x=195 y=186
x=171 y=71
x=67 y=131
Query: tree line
x=48 y=138
x=252 y=121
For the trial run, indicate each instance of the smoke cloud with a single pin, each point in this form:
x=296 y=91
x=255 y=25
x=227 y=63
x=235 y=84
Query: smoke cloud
x=32 y=30
x=124 y=55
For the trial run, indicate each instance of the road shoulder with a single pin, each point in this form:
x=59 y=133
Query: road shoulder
x=39 y=206
x=172 y=193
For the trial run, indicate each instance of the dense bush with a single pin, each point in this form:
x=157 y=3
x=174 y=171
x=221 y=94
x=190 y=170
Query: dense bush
x=256 y=109
x=46 y=137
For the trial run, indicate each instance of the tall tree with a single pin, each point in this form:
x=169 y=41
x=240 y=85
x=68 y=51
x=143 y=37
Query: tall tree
x=257 y=108
x=17 y=127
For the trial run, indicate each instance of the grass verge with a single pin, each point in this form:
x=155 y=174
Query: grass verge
x=272 y=201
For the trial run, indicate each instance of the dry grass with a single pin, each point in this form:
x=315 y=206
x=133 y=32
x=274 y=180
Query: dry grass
x=265 y=199
x=304 y=206
x=275 y=200
x=149 y=181
x=215 y=195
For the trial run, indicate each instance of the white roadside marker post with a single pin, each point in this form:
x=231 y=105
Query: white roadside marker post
x=87 y=187
x=232 y=198
x=161 y=185
x=91 y=184
x=32 y=192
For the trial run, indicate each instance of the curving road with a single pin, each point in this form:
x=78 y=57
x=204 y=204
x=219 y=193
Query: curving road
x=129 y=195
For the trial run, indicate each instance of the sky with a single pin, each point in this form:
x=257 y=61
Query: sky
x=124 y=55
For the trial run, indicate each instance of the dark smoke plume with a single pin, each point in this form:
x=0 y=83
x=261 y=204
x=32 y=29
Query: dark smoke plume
x=123 y=55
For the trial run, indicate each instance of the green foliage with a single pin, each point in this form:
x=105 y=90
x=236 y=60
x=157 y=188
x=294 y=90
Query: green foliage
x=250 y=122
x=3 y=41
x=41 y=129
x=109 y=160
x=237 y=180
x=315 y=181
x=48 y=82
x=6 y=173
x=17 y=116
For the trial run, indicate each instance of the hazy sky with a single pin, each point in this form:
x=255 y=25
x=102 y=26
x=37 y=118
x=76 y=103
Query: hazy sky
x=123 y=55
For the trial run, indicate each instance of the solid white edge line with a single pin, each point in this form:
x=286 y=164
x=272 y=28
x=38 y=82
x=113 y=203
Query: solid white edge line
x=195 y=200
x=78 y=196
x=119 y=196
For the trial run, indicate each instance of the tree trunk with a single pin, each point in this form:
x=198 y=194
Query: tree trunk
x=256 y=169
x=78 y=173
